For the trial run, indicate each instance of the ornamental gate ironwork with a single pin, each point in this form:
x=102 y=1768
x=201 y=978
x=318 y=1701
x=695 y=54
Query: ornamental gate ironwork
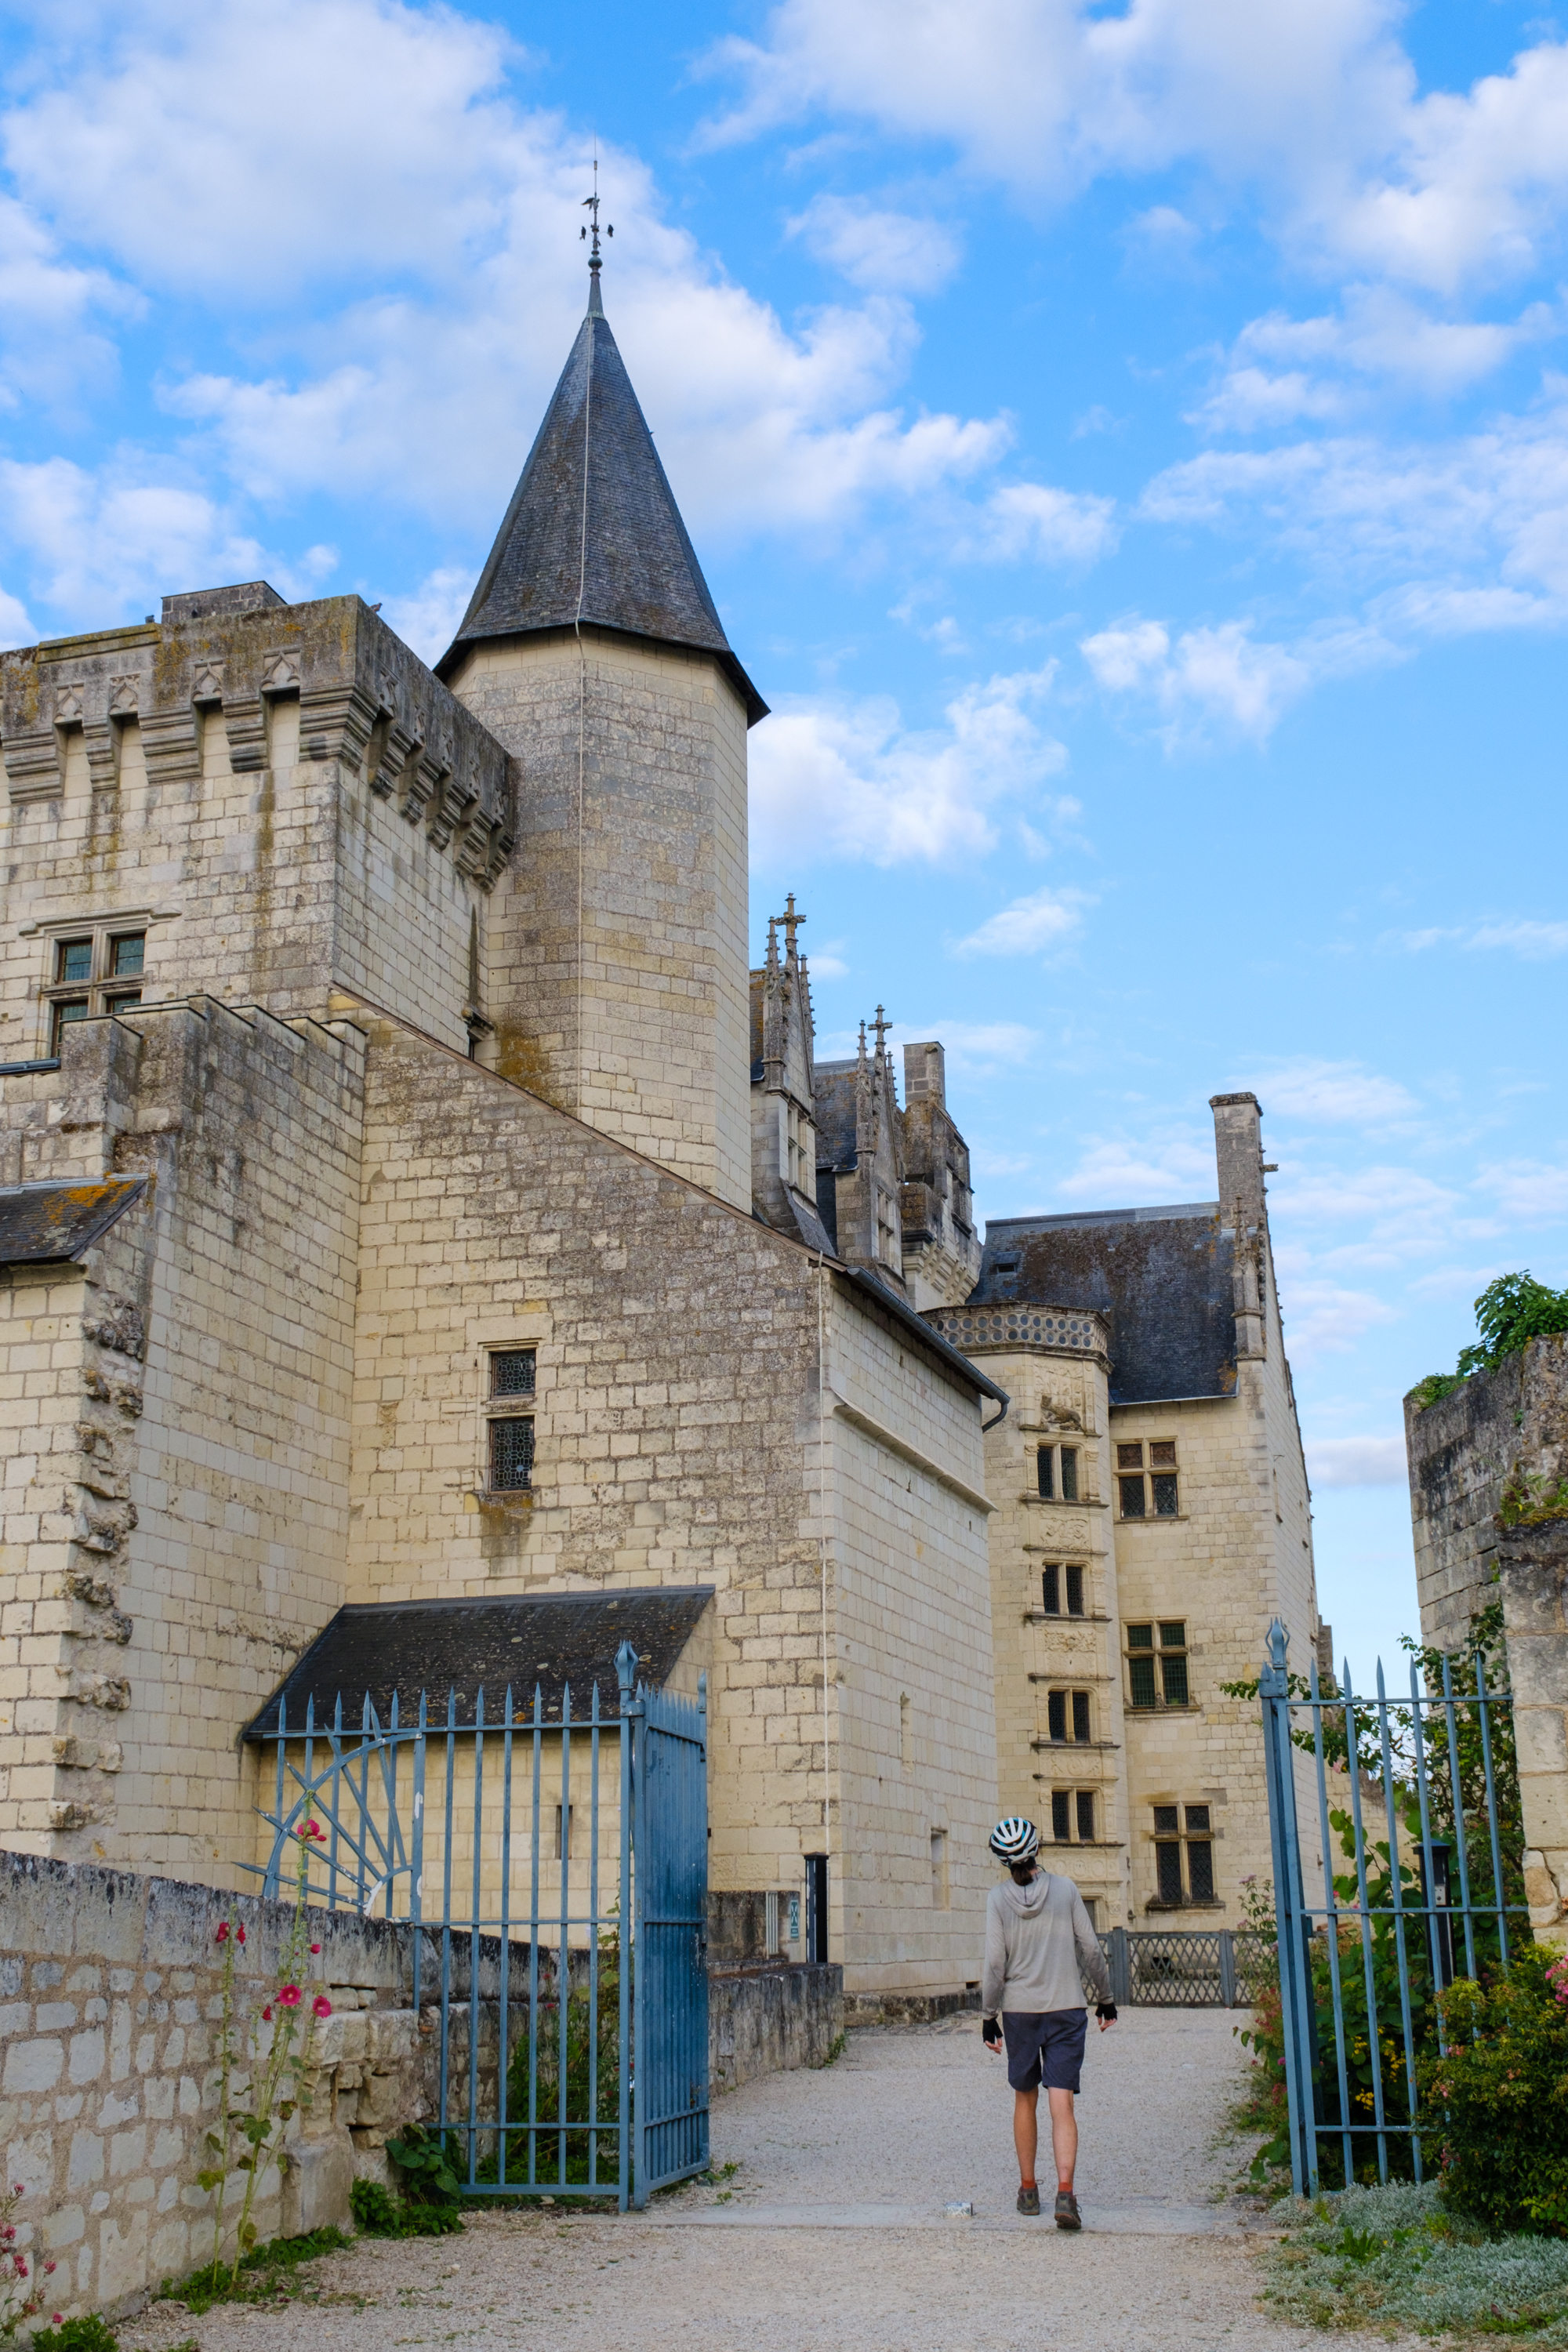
x=552 y=1867
x=1225 y=1968
x=1419 y=1883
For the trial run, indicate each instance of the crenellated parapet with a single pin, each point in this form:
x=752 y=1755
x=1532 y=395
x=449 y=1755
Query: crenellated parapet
x=231 y=655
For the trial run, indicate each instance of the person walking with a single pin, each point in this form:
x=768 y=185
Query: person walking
x=1039 y=1945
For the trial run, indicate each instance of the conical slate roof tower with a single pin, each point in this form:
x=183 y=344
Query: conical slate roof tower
x=593 y=533
x=615 y=965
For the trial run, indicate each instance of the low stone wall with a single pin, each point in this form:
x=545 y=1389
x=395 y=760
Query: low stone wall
x=111 y=2004
x=906 y=2008
x=767 y=2018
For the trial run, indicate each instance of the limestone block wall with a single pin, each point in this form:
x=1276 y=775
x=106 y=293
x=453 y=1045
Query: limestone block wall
x=616 y=964
x=1532 y=1567
x=281 y=798
x=1510 y=1423
x=195 y=1417
x=1059 y=1398
x=679 y=1438
x=912 y=1745
x=1224 y=1568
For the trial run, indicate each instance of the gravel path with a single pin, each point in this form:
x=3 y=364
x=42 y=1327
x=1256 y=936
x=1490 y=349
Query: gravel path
x=832 y=2231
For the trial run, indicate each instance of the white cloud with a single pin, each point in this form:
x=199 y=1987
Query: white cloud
x=1535 y=942
x=1331 y=1092
x=1172 y=1164
x=1034 y=520
x=1323 y=1320
x=52 y=342
x=1484 y=511
x=15 y=628
x=1281 y=369
x=1356 y=1461
x=1222 y=674
x=1531 y=1189
x=1046 y=919
x=846 y=779
x=428 y=618
x=1312 y=102
x=887 y=252
x=109 y=542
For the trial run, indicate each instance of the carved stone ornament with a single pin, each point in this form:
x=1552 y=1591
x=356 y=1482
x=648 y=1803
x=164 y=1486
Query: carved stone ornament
x=67 y=706
x=281 y=673
x=124 y=698
x=209 y=683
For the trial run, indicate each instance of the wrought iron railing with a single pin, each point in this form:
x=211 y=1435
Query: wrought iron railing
x=1225 y=1968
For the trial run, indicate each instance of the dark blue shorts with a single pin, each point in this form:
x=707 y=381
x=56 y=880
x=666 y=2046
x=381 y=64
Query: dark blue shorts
x=1045 y=2046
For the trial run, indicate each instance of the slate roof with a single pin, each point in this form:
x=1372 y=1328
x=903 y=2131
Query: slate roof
x=592 y=532
x=546 y=1639
x=1161 y=1277
x=42 y=1224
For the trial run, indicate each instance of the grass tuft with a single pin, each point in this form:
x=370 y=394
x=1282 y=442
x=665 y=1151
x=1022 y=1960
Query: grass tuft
x=1395 y=2257
x=263 y=2273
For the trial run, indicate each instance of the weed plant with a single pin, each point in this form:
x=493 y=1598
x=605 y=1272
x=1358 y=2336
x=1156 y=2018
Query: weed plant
x=1398 y=2257
x=260 y=2276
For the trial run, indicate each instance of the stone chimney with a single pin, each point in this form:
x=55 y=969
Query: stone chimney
x=1238 y=1151
x=925 y=1075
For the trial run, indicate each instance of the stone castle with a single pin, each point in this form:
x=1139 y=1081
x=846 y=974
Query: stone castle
x=408 y=1196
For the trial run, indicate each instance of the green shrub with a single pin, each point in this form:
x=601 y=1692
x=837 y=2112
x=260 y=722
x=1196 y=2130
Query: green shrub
x=1396 y=2257
x=90 y=2334
x=258 y=2278
x=378 y=2214
x=1510 y=1313
x=1501 y=2091
x=425 y=2170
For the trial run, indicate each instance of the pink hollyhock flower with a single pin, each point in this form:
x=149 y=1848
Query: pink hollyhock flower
x=315 y=1947
x=290 y=1996
x=267 y=2014
x=20 y=2264
x=48 y=2267
x=321 y=2005
x=222 y=1936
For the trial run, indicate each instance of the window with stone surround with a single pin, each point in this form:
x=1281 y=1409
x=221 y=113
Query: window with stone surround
x=1184 y=1855
x=1156 y=1495
x=1056 y=1472
x=92 y=971
x=1072 y=1816
x=1062 y=1580
x=1157 y=1664
x=1066 y=1708
x=513 y=1379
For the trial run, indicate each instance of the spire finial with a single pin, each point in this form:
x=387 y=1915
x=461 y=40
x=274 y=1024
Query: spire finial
x=790 y=922
x=591 y=204
x=881 y=1026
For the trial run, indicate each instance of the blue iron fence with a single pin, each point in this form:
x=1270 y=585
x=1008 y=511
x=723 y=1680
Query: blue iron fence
x=1401 y=1914
x=553 y=1864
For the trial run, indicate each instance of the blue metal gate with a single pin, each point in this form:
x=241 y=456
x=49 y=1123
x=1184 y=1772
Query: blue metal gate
x=554 y=1866
x=670 y=1753
x=1403 y=1911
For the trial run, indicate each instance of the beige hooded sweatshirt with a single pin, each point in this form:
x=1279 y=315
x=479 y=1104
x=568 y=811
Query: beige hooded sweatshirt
x=1039 y=1945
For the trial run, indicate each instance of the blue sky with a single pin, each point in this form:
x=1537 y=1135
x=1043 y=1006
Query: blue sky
x=1129 y=447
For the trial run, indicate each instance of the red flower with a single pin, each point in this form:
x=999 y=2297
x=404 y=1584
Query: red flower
x=21 y=2264
x=267 y=2014
x=222 y=1936
x=290 y=1996
x=240 y=1933
x=48 y=2267
x=321 y=2005
x=315 y=1947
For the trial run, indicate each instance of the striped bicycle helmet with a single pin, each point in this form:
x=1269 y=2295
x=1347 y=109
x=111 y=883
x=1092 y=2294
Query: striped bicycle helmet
x=1016 y=1840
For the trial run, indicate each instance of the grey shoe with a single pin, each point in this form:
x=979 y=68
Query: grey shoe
x=1068 y=2215
x=1029 y=2200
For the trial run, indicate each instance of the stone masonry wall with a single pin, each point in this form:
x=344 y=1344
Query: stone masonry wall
x=1462 y=1452
x=282 y=798
x=179 y=1425
x=616 y=963
x=1532 y=1567
x=680 y=1438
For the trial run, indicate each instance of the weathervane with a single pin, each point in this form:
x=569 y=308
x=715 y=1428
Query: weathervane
x=591 y=204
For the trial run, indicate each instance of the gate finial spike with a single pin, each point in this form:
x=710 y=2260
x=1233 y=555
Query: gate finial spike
x=702 y=1692
x=1279 y=1644
x=626 y=1670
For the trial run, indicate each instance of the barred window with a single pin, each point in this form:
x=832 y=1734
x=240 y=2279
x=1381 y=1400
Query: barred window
x=513 y=1371
x=1136 y=1493
x=1043 y=1478
x=1064 y=1708
x=1051 y=1587
x=1070 y=1473
x=1075 y=1591
x=87 y=977
x=512 y=1455
x=1061 y=1815
x=1086 y=1816
x=1131 y=1497
x=1157 y=1676
x=1184 y=1854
